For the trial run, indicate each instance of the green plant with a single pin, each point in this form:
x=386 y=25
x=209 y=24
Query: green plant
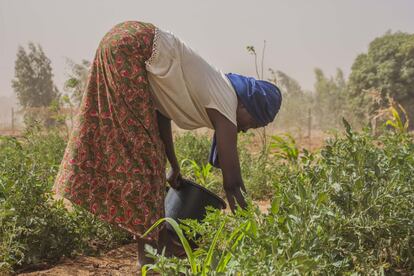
x=201 y=261
x=257 y=168
x=285 y=147
x=201 y=174
x=396 y=121
x=33 y=226
x=343 y=211
x=28 y=218
x=192 y=146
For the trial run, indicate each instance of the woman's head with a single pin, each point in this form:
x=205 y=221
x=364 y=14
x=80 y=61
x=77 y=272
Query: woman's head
x=245 y=121
x=258 y=101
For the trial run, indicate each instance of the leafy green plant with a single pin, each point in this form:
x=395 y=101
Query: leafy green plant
x=396 y=122
x=192 y=146
x=344 y=211
x=201 y=174
x=33 y=226
x=200 y=261
x=285 y=147
x=257 y=168
x=27 y=218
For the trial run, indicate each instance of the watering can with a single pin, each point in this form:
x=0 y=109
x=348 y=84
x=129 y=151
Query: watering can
x=190 y=202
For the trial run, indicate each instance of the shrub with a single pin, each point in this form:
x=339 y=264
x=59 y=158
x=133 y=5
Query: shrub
x=346 y=209
x=257 y=169
x=33 y=227
x=192 y=146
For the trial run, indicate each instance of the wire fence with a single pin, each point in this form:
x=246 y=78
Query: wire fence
x=12 y=122
x=307 y=136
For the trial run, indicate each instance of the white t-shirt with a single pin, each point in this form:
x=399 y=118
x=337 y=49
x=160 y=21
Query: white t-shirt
x=184 y=84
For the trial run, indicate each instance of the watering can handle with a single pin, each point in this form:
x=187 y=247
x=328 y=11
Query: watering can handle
x=180 y=179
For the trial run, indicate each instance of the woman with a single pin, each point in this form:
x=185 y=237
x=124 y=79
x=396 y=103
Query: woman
x=142 y=78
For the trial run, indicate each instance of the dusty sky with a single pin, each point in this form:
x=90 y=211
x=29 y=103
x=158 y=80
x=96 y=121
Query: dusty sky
x=300 y=35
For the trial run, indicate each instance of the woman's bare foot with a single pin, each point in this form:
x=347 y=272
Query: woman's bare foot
x=166 y=240
x=171 y=243
x=142 y=258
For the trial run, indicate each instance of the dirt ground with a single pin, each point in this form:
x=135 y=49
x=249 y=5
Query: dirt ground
x=119 y=261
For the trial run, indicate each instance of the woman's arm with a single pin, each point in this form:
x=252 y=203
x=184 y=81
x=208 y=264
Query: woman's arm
x=226 y=137
x=164 y=125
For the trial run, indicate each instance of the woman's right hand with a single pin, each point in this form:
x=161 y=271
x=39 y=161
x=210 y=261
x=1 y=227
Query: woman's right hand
x=226 y=135
x=174 y=178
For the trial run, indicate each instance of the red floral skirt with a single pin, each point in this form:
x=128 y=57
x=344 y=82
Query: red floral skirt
x=114 y=162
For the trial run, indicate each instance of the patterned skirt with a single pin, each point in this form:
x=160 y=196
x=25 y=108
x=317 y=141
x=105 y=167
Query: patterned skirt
x=114 y=162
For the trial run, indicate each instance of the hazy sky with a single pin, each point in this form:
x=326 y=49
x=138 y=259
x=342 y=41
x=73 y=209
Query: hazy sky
x=300 y=35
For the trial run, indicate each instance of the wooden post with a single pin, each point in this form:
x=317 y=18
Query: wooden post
x=310 y=127
x=12 y=119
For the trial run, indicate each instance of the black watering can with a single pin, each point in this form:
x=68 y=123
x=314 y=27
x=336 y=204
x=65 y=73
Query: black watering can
x=190 y=202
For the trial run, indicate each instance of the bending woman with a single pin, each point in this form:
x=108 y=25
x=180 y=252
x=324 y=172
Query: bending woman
x=141 y=78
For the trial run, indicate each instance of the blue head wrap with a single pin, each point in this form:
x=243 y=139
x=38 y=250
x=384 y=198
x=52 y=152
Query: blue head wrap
x=262 y=100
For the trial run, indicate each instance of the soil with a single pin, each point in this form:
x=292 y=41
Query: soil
x=119 y=261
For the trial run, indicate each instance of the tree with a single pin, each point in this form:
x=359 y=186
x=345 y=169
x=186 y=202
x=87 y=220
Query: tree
x=388 y=68
x=34 y=87
x=296 y=102
x=33 y=82
x=290 y=86
x=330 y=100
x=78 y=77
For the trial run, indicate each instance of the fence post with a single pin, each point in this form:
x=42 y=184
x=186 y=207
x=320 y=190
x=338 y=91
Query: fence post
x=12 y=119
x=310 y=127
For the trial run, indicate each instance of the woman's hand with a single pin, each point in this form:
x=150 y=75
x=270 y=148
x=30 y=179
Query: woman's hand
x=174 y=178
x=234 y=194
x=164 y=124
x=226 y=135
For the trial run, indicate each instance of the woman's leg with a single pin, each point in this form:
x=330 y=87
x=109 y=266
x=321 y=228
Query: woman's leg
x=142 y=258
x=170 y=243
x=166 y=241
